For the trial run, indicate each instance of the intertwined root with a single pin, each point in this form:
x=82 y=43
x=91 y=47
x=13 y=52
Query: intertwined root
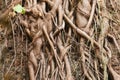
x=53 y=24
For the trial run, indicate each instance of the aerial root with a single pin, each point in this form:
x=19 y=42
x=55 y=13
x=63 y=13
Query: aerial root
x=59 y=30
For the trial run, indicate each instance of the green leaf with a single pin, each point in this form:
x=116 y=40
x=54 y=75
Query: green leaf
x=19 y=9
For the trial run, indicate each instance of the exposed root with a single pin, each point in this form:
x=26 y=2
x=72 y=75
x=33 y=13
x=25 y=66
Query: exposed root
x=113 y=73
x=63 y=32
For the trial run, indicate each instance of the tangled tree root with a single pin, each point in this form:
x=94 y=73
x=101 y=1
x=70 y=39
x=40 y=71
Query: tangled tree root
x=52 y=27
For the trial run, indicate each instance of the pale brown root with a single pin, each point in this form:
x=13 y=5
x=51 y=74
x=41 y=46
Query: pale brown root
x=43 y=66
x=55 y=6
x=60 y=16
x=65 y=6
x=59 y=29
x=68 y=38
x=32 y=59
x=63 y=50
x=84 y=67
x=52 y=46
x=91 y=14
x=91 y=74
x=96 y=69
x=51 y=62
x=47 y=71
x=82 y=33
x=113 y=73
x=115 y=42
x=68 y=69
x=31 y=71
x=104 y=31
x=38 y=70
x=108 y=49
x=41 y=70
